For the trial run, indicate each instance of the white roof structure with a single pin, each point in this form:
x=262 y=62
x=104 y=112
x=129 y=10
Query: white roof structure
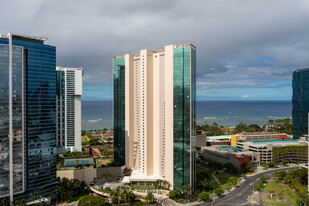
x=137 y=176
x=24 y=36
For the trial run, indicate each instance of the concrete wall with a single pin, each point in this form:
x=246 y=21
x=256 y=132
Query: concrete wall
x=91 y=174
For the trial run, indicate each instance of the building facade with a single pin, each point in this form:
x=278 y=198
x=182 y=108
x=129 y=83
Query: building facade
x=69 y=92
x=154 y=113
x=300 y=103
x=27 y=117
x=268 y=149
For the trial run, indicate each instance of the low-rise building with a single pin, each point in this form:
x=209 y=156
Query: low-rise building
x=265 y=148
x=218 y=140
x=200 y=141
x=227 y=154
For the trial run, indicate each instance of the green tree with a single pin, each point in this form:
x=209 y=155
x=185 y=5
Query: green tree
x=203 y=196
x=4 y=202
x=280 y=175
x=263 y=179
x=129 y=197
x=254 y=128
x=33 y=195
x=150 y=197
x=172 y=194
x=241 y=127
x=116 y=196
x=108 y=176
x=218 y=191
x=299 y=202
x=230 y=167
x=271 y=164
x=257 y=187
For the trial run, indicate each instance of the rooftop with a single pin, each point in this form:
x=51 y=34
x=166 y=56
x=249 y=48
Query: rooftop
x=302 y=70
x=137 y=175
x=218 y=138
x=276 y=142
x=162 y=50
x=24 y=36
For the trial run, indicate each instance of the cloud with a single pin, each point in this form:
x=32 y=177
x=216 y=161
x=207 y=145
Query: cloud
x=239 y=43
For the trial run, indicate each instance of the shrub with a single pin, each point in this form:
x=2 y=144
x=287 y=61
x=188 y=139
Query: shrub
x=92 y=200
x=272 y=164
x=263 y=165
x=203 y=196
x=218 y=191
x=172 y=194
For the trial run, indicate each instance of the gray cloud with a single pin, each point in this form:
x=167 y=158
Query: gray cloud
x=230 y=36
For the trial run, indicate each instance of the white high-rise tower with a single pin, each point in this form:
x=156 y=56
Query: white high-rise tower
x=154 y=114
x=69 y=92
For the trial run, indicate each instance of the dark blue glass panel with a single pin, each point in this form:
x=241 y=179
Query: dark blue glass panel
x=300 y=102
x=119 y=110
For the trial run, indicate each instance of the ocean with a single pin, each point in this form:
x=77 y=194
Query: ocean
x=98 y=115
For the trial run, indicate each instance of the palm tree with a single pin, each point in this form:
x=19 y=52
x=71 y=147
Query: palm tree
x=60 y=191
x=33 y=195
x=115 y=194
x=76 y=186
x=22 y=201
x=58 y=188
x=149 y=197
x=4 y=202
x=129 y=197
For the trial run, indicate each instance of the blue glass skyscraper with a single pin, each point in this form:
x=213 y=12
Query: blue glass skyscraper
x=28 y=117
x=300 y=102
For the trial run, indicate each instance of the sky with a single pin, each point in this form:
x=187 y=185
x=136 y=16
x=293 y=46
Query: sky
x=246 y=49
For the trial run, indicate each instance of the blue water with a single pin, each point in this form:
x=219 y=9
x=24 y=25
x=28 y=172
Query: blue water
x=97 y=115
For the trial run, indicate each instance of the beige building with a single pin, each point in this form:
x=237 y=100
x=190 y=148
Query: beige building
x=156 y=135
x=266 y=149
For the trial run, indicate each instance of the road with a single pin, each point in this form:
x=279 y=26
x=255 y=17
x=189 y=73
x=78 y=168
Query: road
x=240 y=195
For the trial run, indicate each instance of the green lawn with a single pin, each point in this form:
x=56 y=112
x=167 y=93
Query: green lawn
x=276 y=203
x=282 y=189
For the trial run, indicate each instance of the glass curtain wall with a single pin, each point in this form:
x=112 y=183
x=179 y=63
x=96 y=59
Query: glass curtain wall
x=17 y=120
x=60 y=108
x=182 y=116
x=119 y=110
x=300 y=103
x=40 y=116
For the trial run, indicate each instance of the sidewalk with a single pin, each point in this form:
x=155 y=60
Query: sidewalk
x=260 y=169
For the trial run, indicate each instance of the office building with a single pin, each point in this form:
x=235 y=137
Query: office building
x=69 y=92
x=277 y=150
x=27 y=117
x=154 y=114
x=256 y=136
x=300 y=102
